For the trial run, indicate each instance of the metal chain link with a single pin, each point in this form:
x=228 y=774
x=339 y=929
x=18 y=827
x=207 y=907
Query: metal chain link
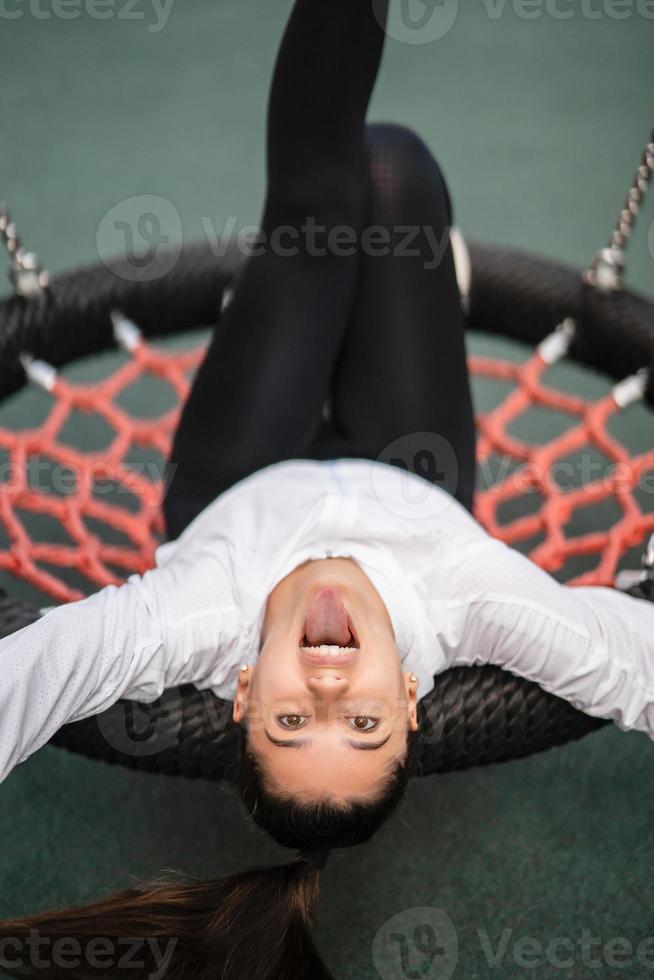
x=640 y=184
x=607 y=268
x=27 y=276
x=606 y=272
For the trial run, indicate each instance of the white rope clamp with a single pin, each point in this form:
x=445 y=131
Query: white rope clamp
x=462 y=266
x=126 y=334
x=632 y=389
x=628 y=577
x=39 y=372
x=557 y=344
x=227 y=297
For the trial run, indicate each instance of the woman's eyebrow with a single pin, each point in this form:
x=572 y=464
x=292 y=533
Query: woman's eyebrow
x=300 y=743
x=368 y=746
x=287 y=743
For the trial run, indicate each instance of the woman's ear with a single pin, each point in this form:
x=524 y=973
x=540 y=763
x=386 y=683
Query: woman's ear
x=240 y=706
x=411 y=688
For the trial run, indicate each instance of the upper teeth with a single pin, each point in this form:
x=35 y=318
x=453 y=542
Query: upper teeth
x=331 y=649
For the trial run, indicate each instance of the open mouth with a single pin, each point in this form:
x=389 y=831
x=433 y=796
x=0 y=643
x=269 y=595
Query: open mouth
x=350 y=645
x=328 y=655
x=329 y=637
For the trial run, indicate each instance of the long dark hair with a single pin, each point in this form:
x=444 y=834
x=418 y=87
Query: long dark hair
x=252 y=925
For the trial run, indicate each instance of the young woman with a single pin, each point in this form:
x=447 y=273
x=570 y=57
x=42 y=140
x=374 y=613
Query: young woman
x=323 y=563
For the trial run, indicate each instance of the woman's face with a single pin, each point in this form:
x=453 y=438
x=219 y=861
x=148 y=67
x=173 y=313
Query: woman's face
x=327 y=705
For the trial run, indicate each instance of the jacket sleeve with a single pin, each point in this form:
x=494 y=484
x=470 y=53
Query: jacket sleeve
x=592 y=646
x=168 y=627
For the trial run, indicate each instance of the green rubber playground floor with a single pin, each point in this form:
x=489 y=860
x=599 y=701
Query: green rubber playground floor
x=540 y=868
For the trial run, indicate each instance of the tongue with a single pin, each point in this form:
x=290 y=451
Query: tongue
x=326 y=620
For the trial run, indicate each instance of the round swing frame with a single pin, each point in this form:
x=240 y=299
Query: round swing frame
x=474 y=715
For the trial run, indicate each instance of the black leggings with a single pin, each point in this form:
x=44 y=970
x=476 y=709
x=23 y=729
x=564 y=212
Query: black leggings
x=345 y=334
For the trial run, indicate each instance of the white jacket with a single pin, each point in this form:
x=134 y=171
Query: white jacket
x=454 y=594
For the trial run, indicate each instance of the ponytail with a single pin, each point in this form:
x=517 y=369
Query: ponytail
x=254 y=925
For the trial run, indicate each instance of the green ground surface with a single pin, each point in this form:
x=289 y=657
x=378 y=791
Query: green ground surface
x=539 y=123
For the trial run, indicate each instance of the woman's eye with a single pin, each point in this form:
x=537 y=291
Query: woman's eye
x=363 y=723
x=292 y=721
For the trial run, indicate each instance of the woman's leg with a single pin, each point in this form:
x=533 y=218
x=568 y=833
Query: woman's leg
x=401 y=390
x=259 y=394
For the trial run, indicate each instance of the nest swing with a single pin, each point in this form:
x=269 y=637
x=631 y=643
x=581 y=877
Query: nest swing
x=474 y=715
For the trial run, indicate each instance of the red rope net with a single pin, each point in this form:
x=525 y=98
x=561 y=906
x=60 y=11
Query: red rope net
x=589 y=428
x=531 y=469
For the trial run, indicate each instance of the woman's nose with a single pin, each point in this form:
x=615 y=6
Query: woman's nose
x=328 y=686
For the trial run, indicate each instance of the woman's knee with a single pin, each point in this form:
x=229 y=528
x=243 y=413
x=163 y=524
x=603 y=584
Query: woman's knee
x=403 y=172
x=403 y=140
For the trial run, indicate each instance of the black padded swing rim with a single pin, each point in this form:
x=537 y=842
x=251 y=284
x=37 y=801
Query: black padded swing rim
x=513 y=294
x=474 y=716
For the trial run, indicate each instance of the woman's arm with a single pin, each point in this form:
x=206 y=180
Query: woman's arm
x=592 y=646
x=156 y=631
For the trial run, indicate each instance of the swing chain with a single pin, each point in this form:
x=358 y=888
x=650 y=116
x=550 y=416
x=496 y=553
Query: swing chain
x=28 y=278
x=606 y=271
